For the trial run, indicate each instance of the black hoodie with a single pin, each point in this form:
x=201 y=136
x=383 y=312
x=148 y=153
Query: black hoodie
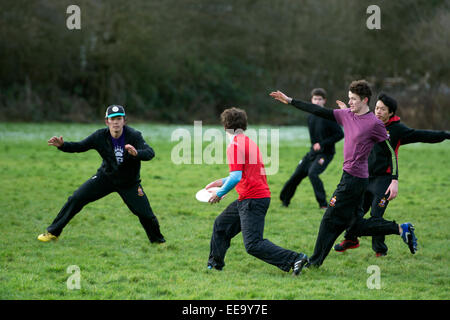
x=124 y=174
x=399 y=134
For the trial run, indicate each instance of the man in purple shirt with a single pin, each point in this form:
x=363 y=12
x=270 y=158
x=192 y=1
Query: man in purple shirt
x=362 y=130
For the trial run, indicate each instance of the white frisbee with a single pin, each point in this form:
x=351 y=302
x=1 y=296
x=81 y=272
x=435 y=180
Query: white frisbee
x=204 y=195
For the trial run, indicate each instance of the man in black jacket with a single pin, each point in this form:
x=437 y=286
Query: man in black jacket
x=122 y=150
x=323 y=134
x=380 y=169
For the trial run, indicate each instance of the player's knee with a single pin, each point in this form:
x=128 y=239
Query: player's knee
x=253 y=248
x=313 y=176
x=76 y=198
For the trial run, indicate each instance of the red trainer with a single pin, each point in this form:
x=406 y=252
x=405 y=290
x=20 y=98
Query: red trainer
x=346 y=244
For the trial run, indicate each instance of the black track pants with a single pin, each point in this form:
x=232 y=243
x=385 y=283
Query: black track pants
x=344 y=211
x=98 y=187
x=312 y=165
x=375 y=199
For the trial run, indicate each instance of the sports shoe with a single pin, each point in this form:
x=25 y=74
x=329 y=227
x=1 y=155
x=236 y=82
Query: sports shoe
x=210 y=267
x=346 y=244
x=299 y=263
x=46 y=237
x=380 y=254
x=409 y=237
x=158 y=241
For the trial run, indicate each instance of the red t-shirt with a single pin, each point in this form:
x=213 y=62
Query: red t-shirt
x=243 y=155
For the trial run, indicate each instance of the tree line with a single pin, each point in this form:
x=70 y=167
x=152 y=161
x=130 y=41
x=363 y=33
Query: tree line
x=179 y=61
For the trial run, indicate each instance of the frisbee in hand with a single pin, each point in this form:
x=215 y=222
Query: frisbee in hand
x=205 y=194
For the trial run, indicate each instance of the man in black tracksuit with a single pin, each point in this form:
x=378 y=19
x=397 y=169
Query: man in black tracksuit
x=323 y=134
x=122 y=149
x=380 y=169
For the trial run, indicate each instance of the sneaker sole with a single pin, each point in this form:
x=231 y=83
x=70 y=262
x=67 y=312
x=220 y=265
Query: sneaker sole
x=45 y=240
x=410 y=240
x=51 y=240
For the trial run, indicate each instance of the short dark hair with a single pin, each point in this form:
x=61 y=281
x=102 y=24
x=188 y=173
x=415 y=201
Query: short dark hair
x=319 y=92
x=361 y=88
x=389 y=102
x=234 y=118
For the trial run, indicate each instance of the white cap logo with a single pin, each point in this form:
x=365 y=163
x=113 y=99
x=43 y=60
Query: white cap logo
x=115 y=109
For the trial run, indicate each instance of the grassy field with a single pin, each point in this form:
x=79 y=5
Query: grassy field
x=116 y=261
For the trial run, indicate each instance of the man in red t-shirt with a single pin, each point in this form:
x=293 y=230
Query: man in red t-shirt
x=247 y=214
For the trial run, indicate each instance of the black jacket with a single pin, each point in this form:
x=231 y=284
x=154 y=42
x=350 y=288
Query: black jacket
x=325 y=132
x=399 y=134
x=128 y=172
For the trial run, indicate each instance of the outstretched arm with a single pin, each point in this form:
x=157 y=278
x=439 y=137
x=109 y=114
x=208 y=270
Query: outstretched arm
x=304 y=106
x=81 y=146
x=427 y=136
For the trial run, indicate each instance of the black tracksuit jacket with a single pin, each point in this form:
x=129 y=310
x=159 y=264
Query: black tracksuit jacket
x=399 y=134
x=325 y=132
x=125 y=174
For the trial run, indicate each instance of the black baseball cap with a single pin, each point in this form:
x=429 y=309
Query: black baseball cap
x=115 y=111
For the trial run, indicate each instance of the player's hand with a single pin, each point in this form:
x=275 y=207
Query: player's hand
x=392 y=190
x=217 y=183
x=55 y=141
x=214 y=198
x=316 y=146
x=341 y=104
x=131 y=150
x=280 y=96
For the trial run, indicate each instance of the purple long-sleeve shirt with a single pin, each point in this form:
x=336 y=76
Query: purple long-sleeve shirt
x=361 y=133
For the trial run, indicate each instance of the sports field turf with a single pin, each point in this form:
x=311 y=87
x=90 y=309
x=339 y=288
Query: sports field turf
x=116 y=261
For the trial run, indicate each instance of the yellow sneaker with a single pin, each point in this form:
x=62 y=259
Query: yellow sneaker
x=46 y=237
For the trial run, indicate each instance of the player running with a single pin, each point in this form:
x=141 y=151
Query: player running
x=247 y=214
x=362 y=130
x=380 y=170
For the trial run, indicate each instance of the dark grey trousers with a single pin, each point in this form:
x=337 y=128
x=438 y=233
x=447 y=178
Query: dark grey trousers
x=247 y=216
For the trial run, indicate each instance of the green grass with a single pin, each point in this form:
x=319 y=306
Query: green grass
x=116 y=260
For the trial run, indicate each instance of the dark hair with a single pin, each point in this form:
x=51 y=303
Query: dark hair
x=388 y=102
x=234 y=118
x=319 y=92
x=361 y=88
